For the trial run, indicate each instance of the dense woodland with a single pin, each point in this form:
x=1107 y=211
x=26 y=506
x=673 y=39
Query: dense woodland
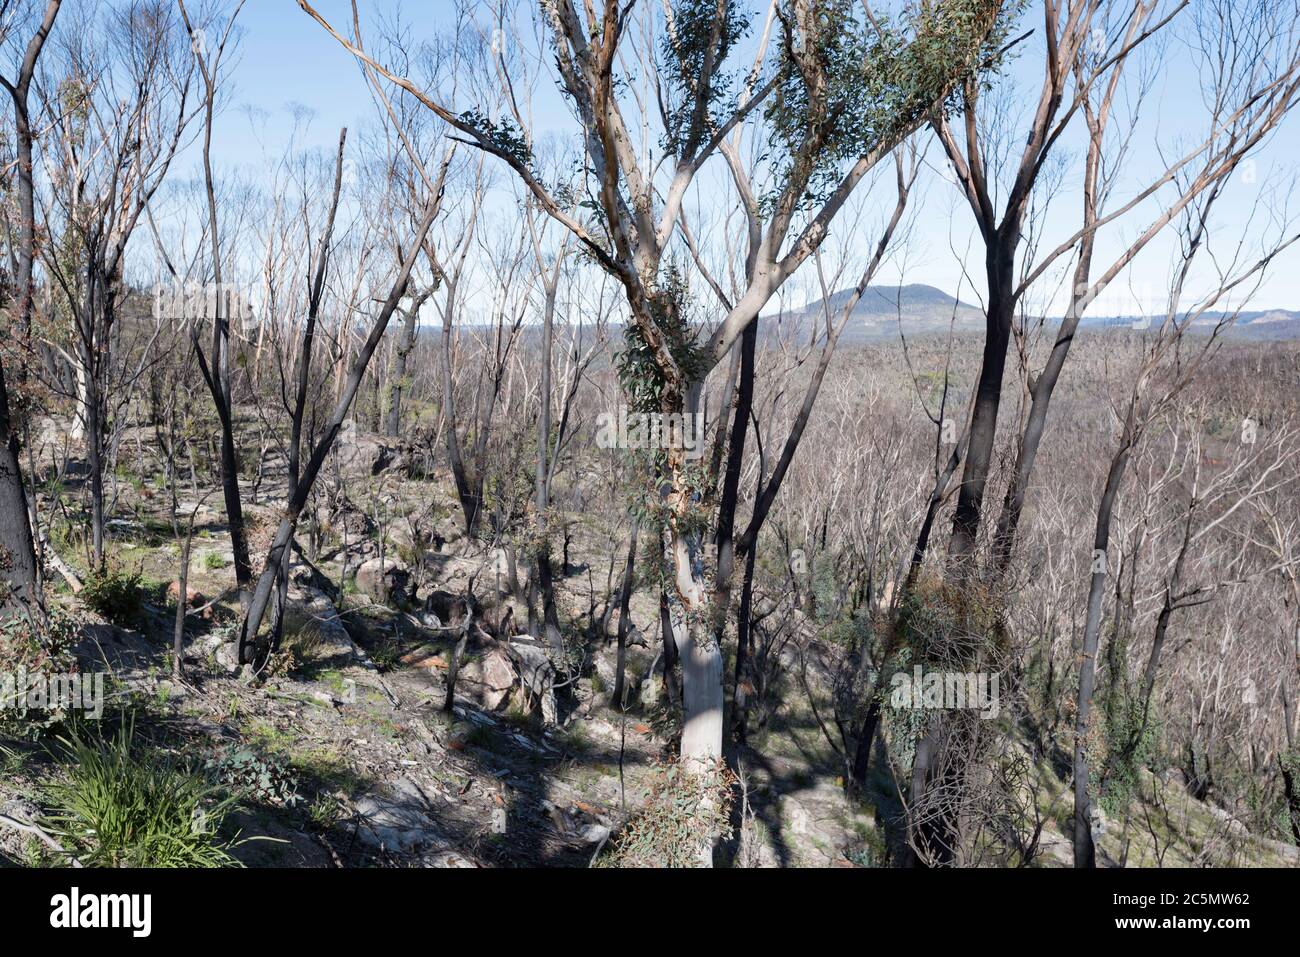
x=321 y=461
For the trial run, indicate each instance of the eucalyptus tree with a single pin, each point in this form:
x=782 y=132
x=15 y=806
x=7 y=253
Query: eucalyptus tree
x=216 y=364
x=17 y=551
x=312 y=438
x=119 y=104
x=839 y=89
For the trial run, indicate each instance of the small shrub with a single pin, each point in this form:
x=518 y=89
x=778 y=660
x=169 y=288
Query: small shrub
x=35 y=650
x=387 y=654
x=325 y=811
x=117 y=596
x=683 y=813
x=213 y=561
x=265 y=778
x=117 y=807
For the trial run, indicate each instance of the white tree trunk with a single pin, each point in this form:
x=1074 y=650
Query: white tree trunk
x=700 y=658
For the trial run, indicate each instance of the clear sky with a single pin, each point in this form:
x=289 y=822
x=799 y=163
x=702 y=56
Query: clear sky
x=288 y=62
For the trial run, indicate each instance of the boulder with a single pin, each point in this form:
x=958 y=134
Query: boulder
x=387 y=582
x=193 y=597
x=397 y=819
x=537 y=675
x=366 y=453
x=652 y=691
x=447 y=609
x=495 y=676
x=309 y=612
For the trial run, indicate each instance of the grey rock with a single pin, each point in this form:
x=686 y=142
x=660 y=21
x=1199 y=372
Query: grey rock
x=398 y=819
x=388 y=583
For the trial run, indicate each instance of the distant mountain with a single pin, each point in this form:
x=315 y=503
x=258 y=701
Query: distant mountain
x=1266 y=324
x=921 y=309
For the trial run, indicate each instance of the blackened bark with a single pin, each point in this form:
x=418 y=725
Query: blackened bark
x=745 y=686
x=999 y=266
x=17 y=548
x=866 y=738
x=284 y=534
x=17 y=551
x=1084 y=851
x=670 y=650
x=624 y=604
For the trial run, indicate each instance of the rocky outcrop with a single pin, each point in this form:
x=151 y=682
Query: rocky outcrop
x=387 y=582
x=366 y=453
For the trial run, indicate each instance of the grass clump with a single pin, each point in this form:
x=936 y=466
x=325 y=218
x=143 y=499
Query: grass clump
x=119 y=807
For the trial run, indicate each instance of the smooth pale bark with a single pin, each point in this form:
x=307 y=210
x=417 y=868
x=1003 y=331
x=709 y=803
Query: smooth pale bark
x=699 y=656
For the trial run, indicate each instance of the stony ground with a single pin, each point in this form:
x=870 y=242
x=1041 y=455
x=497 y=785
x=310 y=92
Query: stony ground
x=369 y=767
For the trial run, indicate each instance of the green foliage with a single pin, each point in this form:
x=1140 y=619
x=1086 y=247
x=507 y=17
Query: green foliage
x=118 y=807
x=255 y=776
x=639 y=369
x=694 y=49
x=1130 y=745
x=386 y=654
x=37 y=650
x=214 y=561
x=825 y=588
x=683 y=813
x=325 y=811
x=847 y=86
x=949 y=625
x=115 y=595
x=503 y=135
x=874 y=851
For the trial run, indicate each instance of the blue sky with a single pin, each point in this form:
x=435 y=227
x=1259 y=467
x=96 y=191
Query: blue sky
x=289 y=62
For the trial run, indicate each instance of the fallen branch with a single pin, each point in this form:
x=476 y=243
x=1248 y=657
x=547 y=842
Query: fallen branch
x=39 y=833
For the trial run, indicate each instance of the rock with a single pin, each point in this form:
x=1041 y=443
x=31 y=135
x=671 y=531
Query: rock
x=193 y=597
x=537 y=675
x=495 y=675
x=448 y=609
x=605 y=663
x=397 y=819
x=388 y=583
x=365 y=453
x=429 y=620
x=652 y=690
x=311 y=619
x=460 y=735
x=21 y=809
x=446 y=859
x=225 y=656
